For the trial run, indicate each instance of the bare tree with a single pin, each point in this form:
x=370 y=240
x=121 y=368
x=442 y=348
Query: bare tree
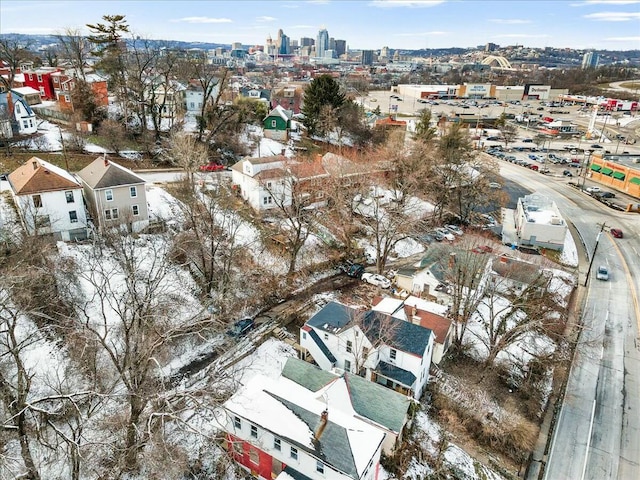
x=185 y=151
x=507 y=130
x=14 y=53
x=76 y=49
x=133 y=315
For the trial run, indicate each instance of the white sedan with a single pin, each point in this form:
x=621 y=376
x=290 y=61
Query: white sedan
x=454 y=229
x=446 y=234
x=375 y=279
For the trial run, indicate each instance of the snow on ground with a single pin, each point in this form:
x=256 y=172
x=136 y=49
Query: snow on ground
x=268 y=360
x=561 y=285
x=465 y=466
x=520 y=352
x=162 y=205
x=10 y=227
x=569 y=255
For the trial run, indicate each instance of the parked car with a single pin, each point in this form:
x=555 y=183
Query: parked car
x=527 y=140
x=602 y=273
x=241 y=327
x=567 y=173
x=212 y=167
x=495 y=185
x=376 y=279
x=595 y=145
x=446 y=234
x=534 y=167
x=616 y=232
x=354 y=270
x=437 y=235
x=454 y=229
x=592 y=189
x=607 y=195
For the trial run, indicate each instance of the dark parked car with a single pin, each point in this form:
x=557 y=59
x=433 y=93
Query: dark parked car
x=607 y=195
x=616 y=232
x=354 y=270
x=595 y=145
x=567 y=173
x=241 y=327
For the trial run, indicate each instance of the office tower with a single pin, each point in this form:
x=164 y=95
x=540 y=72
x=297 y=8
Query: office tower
x=384 y=52
x=322 y=43
x=367 y=57
x=590 y=60
x=341 y=47
x=491 y=47
x=236 y=46
x=306 y=42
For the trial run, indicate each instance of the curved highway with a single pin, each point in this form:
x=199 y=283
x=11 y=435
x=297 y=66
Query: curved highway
x=597 y=432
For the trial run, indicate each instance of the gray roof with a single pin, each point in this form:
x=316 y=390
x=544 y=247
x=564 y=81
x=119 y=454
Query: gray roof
x=103 y=173
x=333 y=317
x=396 y=333
x=333 y=447
x=396 y=373
x=370 y=400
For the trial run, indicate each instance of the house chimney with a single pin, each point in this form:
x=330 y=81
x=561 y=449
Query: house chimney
x=106 y=162
x=324 y=417
x=283 y=151
x=35 y=165
x=504 y=259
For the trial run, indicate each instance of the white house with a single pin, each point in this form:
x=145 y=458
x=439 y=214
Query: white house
x=263 y=182
x=383 y=349
x=115 y=195
x=194 y=96
x=381 y=407
x=25 y=118
x=49 y=200
x=275 y=426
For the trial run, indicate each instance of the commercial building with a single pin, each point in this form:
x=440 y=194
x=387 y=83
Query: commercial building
x=322 y=43
x=536 y=222
x=590 y=60
x=621 y=172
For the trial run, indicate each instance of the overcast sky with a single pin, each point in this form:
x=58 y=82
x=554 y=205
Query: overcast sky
x=364 y=24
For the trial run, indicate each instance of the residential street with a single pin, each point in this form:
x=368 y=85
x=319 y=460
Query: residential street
x=597 y=429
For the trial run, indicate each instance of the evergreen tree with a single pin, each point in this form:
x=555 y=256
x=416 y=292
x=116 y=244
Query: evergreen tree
x=323 y=91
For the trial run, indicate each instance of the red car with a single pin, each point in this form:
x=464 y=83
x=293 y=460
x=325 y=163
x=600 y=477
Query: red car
x=212 y=167
x=616 y=232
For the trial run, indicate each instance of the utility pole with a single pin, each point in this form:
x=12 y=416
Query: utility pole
x=64 y=150
x=593 y=256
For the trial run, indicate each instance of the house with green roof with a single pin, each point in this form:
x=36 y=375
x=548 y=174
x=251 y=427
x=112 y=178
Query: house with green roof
x=277 y=124
x=385 y=409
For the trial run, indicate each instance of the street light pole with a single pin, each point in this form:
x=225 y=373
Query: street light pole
x=593 y=256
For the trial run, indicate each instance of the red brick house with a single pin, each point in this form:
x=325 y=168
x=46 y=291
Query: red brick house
x=63 y=86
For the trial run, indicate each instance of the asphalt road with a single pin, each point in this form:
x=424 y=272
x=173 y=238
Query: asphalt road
x=597 y=433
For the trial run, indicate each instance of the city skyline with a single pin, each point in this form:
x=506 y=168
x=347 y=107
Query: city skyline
x=366 y=24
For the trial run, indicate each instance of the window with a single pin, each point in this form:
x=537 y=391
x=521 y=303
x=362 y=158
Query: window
x=304 y=335
x=42 y=93
x=55 y=80
x=392 y=354
x=365 y=352
x=73 y=216
x=69 y=196
x=277 y=444
x=294 y=453
x=37 y=201
x=274 y=123
x=269 y=184
x=237 y=448
x=18 y=110
x=192 y=105
x=111 y=214
x=133 y=191
x=319 y=466
x=135 y=210
x=66 y=86
x=254 y=431
x=253 y=455
x=347 y=366
x=267 y=200
x=25 y=124
x=349 y=346
x=30 y=76
x=39 y=78
x=237 y=423
x=67 y=98
x=108 y=194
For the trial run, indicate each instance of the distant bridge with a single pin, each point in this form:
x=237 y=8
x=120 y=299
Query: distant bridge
x=491 y=60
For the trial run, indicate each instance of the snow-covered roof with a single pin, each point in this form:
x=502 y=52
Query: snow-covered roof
x=293 y=413
x=25 y=91
x=279 y=111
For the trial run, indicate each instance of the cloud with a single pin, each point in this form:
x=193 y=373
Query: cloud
x=202 y=20
x=613 y=16
x=622 y=39
x=521 y=35
x=422 y=34
x=509 y=21
x=405 y=3
x=604 y=2
x=265 y=19
x=302 y=27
